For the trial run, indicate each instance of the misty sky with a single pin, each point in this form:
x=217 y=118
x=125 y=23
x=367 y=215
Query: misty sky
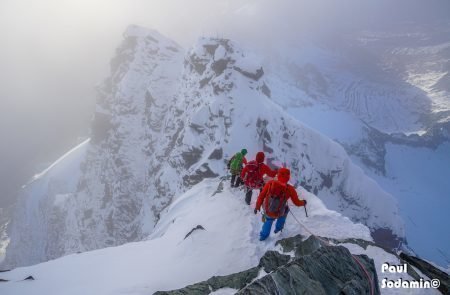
x=53 y=52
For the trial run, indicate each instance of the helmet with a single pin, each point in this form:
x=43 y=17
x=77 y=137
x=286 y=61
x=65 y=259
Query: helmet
x=284 y=174
x=243 y=152
x=260 y=157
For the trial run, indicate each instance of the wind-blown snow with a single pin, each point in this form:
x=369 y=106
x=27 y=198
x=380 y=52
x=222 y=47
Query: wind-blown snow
x=61 y=167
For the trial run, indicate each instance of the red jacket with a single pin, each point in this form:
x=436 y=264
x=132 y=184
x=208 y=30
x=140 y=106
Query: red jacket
x=291 y=193
x=263 y=169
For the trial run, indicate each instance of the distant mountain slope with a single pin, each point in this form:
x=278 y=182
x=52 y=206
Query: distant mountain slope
x=349 y=89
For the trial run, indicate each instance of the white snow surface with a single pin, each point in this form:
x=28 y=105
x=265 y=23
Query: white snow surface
x=168 y=260
x=166 y=119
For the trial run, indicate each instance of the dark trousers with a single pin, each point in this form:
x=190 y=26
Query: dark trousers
x=236 y=180
x=249 y=193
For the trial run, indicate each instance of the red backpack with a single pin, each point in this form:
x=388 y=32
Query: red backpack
x=252 y=178
x=276 y=199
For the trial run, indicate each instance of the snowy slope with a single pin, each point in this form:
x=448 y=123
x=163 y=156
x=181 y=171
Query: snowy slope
x=312 y=83
x=412 y=171
x=41 y=216
x=415 y=173
x=165 y=120
x=170 y=259
x=3 y=236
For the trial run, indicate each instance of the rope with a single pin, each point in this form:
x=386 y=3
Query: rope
x=328 y=244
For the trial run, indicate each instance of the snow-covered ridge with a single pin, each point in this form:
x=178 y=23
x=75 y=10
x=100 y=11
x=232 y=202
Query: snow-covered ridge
x=171 y=259
x=166 y=120
x=229 y=242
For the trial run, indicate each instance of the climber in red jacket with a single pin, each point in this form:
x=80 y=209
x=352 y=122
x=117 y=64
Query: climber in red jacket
x=253 y=174
x=274 y=199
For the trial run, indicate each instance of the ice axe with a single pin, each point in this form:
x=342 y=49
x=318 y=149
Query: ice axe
x=306 y=212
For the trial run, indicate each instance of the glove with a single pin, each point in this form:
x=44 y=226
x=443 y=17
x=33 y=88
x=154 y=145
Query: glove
x=255 y=211
x=305 y=202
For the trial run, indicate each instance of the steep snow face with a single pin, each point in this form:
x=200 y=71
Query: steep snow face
x=38 y=221
x=117 y=195
x=166 y=120
x=236 y=100
x=178 y=254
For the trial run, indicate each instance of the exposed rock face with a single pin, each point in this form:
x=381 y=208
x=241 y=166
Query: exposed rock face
x=329 y=270
x=315 y=269
x=272 y=260
x=235 y=281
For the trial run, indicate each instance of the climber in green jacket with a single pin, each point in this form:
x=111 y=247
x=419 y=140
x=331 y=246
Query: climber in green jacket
x=235 y=166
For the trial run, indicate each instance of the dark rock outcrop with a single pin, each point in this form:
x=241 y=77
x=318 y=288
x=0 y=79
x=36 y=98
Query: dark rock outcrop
x=255 y=76
x=329 y=270
x=315 y=269
x=217 y=154
x=235 y=281
x=290 y=244
x=273 y=260
x=199 y=174
x=198 y=227
x=430 y=271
